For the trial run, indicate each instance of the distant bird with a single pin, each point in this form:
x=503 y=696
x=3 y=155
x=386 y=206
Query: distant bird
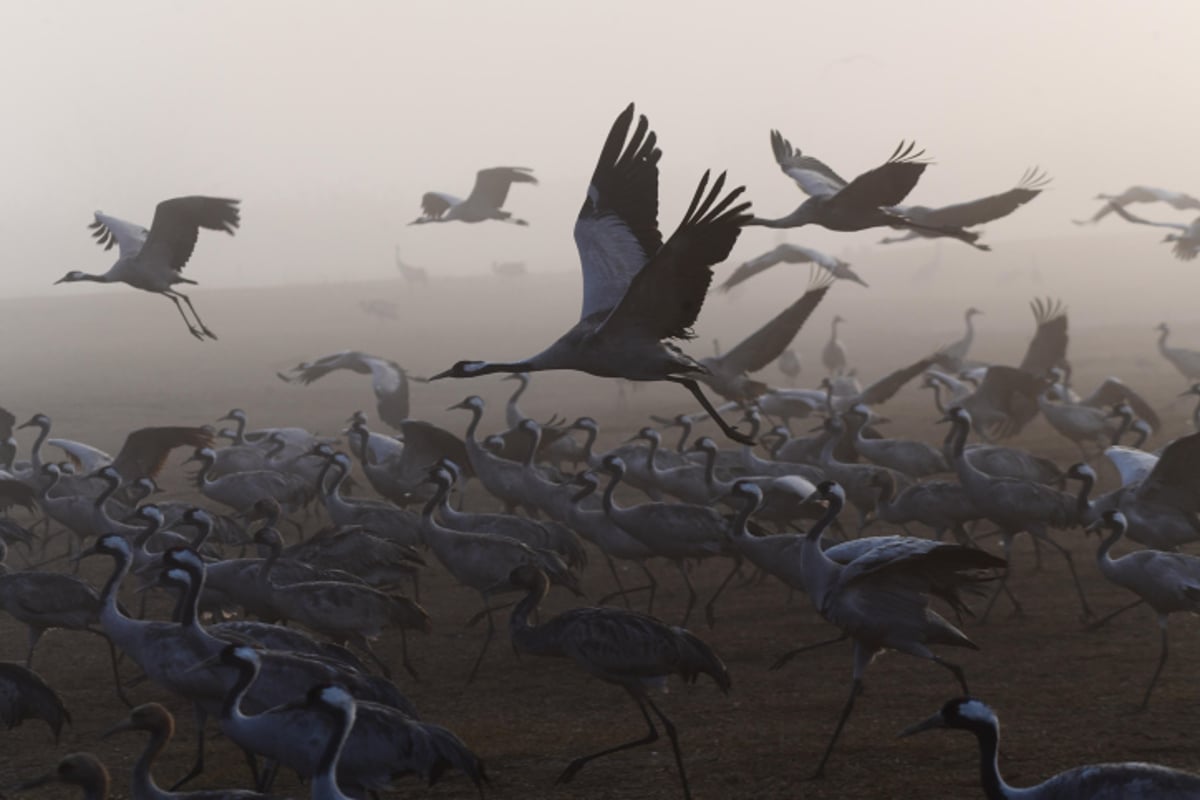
x=389 y=381
x=972 y=212
x=631 y=650
x=638 y=291
x=1186 y=361
x=24 y=695
x=789 y=364
x=484 y=202
x=412 y=275
x=1168 y=582
x=1140 y=194
x=1123 y=781
x=728 y=375
x=833 y=355
x=791 y=254
x=955 y=355
x=75 y=769
x=865 y=202
x=1187 y=241
x=153 y=260
x=380 y=309
x=509 y=269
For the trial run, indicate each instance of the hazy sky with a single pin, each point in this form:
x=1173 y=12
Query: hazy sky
x=329 y=120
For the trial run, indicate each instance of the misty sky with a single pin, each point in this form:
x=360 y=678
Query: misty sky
x=329 y=120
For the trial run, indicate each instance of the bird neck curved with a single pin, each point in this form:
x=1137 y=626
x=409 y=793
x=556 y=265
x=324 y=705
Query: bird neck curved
x=1122 y=428
x=589 y=443
x=524 y=635
x=994 y=786
x=937 y=401
x=1083 y=502
x=35 y=455
x=204 y=529
x=231 y=707
x=323 y=479
x=829 y=446
x=263 y=576
x=687 y=434
x=741 y=523
x=1103 y=558
x=610 y=506
x=514 y=413
x=324 y=781
x=142 y=779
x=364 y=447
x=109 y=490
x=473 y=426
x=536 y=436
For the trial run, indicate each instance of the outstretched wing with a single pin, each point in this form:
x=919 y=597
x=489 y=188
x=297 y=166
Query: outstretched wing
x=107 y=231
x=309 y=371
x=781 y=254
x=145 y=450
x=887 y=184
x=986 y=209
x=885 y=388
x=616 y=231
x=1125 y=215
x=1113 y=391
x=1048 y=349
x=814 y=177
x=7 y=421
x=492 y=184
x=664 y=299
x=435 y=204
x=767 y=343
x=1175 y=479
x=177 y=223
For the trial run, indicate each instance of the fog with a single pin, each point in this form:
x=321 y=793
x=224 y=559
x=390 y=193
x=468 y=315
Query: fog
x=330 y=121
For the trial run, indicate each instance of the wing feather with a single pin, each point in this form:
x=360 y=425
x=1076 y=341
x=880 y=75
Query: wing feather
x=814 y=177
x=986 y=209
x=765 y=345
x=177 y=223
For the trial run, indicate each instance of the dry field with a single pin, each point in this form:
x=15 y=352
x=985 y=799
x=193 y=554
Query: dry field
x=105 y=364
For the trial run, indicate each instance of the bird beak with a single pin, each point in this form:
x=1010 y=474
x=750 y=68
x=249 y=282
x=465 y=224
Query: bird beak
x=1093 y=526
x=448 y=373
x=61 y=280
x=75 y=559
x=123 y=725
x=930 y=724
x=29 y=423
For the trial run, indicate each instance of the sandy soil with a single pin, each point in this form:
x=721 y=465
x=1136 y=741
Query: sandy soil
x=1065 y=696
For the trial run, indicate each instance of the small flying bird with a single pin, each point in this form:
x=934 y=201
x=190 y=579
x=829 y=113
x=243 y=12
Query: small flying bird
x=484 y=202
x=866 y=202
x=1140 y=194
x=791 y=254
x=153 y=260
x=638 y=292
x=972 y=212
x=1187 y=241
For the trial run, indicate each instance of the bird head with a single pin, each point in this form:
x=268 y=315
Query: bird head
x=463 y=369
x=973 y=311
x=472 y=403
x=1162 y=326
x=1112 y=519
x=72 y=277
x=1193 y=389
x=36 y=421
x=962 y=712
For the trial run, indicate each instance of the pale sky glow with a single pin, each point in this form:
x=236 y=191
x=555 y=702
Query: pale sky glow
x=330 y=120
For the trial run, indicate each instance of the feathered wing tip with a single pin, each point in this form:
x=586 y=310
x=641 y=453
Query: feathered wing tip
x=704 y=212
x=102 y=234
x=904 y=154
x=1045 y=310
x=781 y=147
x=1034 y=179
x=697 y=657
x=819 y=278
x=34 y=699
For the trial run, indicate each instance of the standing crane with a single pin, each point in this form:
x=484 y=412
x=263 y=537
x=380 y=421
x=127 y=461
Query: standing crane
x=631 y=650
x=483 y=203
x=1186 y=361
x=638 y=291
x=868 y=201
x=954 y=356
x=833 y=355
x=1123 y=781
x=153 y=260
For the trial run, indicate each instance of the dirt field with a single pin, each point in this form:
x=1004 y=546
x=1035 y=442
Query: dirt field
x=1065 y=696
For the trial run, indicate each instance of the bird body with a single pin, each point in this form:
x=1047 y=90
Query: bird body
x=972 y=212
x=152 y=260
x=485 y=202
x=791 y=254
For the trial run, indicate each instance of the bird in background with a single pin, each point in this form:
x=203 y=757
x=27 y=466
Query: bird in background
x=485 y=201
x=868 y=201
x=153 y=260
x=639 y=293
x=791 y=254
x=1187 y=240
x=972 y=212
x=1140 y=194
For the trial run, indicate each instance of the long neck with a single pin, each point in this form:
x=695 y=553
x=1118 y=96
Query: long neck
x=741 y=523
x=108 y=595
x=240 y=434
x=1123 y=428
x=35 y=455
x=536 y=440
x=710 y=468
x=589 y=443
x=829 y=445
x=231 y=708
x=1102 y=554
x=530 y=638
x=324 y=782
x=1082 y=503
x=970 y=337
x=818 y=569
x=473 y=426
x=514 y=413
x=989 y=769
x=610 y=506
x=937 y=397
x=686 y=434
x=142 y=779
x=364 y=449
x=887 y=488
x=323 y=476
x=1162 y=342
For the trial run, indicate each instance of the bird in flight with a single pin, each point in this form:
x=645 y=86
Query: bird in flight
x=484 y=202
x=639 y=293
x=153 y=260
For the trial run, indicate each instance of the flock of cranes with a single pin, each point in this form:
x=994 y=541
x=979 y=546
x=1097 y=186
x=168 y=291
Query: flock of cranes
x=275 y=631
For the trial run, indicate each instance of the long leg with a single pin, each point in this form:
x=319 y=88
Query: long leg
x=691 y=603
x=1087 y=610
x=1162 y=662
x=192 y=308
x=789 y=655
x=1109 y=617
x=116 y=670
x=34 y=635
x=617 y=580
x=486 y=641
x=855 y=691
x=670 y=728
x=710 y=613
x=694 y=388
x=651 y=736
x=192 y=329
x=198 y=767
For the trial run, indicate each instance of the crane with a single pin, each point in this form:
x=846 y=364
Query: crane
x=483 y=203
x=866 y=202
x=1187 y=240
x=1140 y=194
x=972 y=212
x=24 y=695
x=1126 y=781
x=833 y=355
x=631 y=650
x=1186 y=361
x=954 y=355
x=638 y=291
x=791 y=254
x=153 y=260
